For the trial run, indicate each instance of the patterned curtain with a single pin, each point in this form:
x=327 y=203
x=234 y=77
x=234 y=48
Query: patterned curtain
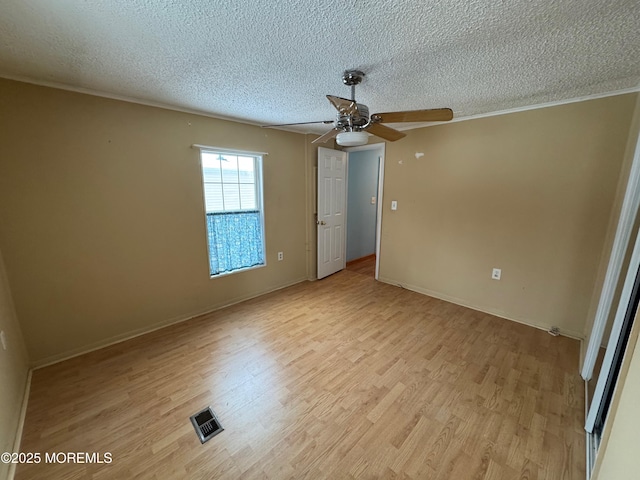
x=235 y=240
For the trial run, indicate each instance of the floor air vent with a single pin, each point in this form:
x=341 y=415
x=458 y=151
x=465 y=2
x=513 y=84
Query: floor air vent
x=206 y=424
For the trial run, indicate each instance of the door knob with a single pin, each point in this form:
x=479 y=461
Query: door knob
x=322 y=222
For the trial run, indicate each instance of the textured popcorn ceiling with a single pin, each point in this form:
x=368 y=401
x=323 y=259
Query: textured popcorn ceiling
x=274 y=61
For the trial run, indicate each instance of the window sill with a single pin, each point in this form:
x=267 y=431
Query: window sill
x=239 y=270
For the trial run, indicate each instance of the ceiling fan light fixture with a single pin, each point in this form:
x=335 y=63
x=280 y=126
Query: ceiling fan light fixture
x=352 y=139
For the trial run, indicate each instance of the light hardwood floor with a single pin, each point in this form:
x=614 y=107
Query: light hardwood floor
x=341 y=378
x=365 y=266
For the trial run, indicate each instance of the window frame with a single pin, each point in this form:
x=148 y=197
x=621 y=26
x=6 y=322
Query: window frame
x=258 y=158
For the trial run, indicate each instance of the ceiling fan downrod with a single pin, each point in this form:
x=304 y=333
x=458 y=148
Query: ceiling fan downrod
x=352 y=78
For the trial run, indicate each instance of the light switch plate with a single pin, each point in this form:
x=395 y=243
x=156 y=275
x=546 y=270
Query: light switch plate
x=394 y=205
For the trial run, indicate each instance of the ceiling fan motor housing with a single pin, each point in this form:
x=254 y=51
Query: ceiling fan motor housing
x=356 y=121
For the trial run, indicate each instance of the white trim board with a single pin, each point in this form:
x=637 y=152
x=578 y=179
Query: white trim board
x=149 y=103
x=483 y=309
x=616 y=332
x=230 y=151
x=137 y=101
x=381 y=160
x=591 y=447
x=53 y=359
x=526 y=108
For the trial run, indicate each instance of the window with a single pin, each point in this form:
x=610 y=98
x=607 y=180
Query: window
x=233 y=204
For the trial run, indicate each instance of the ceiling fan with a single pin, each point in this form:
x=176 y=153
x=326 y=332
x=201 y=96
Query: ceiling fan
x=353 y=121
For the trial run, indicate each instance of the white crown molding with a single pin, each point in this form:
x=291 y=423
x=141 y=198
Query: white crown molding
x=526 y=108
x=124 y=98
x=148 y=103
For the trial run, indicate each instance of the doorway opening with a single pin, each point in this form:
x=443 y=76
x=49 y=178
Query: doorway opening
x=332 y=212
x=364 y=208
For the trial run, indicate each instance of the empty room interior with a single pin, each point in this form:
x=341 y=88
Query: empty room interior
x=217 y=260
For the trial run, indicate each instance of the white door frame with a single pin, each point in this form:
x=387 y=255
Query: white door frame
x=628 y=214
x=616 y=331
x=381 y=150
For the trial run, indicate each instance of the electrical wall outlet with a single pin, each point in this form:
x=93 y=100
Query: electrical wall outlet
x=280 y=256
x=496 y=274
x=373 y=200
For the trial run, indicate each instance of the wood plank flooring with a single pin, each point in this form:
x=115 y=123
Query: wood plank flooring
x=336 y=379
x=365 y=265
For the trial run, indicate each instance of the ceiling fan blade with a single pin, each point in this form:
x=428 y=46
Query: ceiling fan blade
x=430 y=115
x=327 y=136
x=298 y=123
x=385 y=132
x=344 y=105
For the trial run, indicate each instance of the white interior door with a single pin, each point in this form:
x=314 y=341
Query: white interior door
x=332 y=189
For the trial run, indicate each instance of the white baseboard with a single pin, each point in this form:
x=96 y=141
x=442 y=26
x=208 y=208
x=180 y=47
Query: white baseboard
x=53 y=359
x=490 y=311
x=23 y=415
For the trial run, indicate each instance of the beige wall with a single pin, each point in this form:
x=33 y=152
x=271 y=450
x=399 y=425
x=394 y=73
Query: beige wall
x=530 y=193
x=86 y=184
x=618 y=458
x=13 y=371
x=102 y=215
